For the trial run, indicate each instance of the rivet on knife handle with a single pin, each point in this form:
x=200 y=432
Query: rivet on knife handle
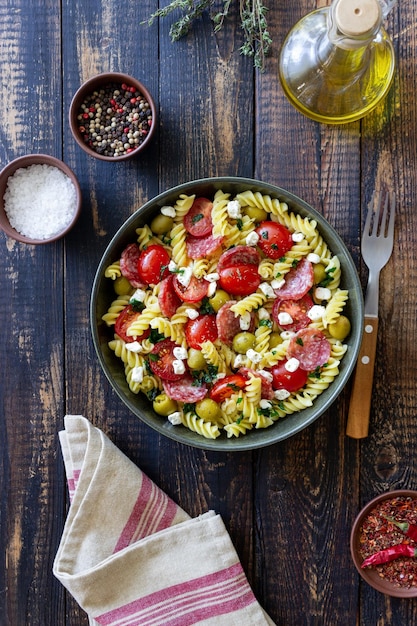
x=360 y=400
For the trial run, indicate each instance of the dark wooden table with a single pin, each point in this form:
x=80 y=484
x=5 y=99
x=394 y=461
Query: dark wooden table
x=289 y=508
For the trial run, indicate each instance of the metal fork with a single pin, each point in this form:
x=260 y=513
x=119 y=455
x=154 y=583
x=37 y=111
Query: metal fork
x=377 y=244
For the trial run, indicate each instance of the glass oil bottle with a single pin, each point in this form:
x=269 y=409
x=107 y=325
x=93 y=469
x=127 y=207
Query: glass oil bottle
x=337 y=63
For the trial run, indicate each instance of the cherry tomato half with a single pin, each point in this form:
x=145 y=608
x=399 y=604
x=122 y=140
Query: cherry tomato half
x=240 y=280
x=227 y=386
x=290 y=381
x=198 y=221
x=196 y=290
x=161 y=360
x=274 y=239
x=124 y=320
x=153 y=264
x=297 y=309
x=203 y=328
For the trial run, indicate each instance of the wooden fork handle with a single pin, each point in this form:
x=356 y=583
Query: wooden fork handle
x=360 y=400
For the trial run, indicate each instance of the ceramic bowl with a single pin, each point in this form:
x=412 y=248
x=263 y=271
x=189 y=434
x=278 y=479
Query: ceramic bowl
x=144 y=128
x=26 y=162
x=369 y=574
x=103 y=294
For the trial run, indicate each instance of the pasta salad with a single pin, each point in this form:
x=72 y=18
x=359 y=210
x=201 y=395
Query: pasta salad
x=228 y=312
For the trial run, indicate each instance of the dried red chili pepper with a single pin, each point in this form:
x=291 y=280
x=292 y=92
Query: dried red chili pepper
x=408 y=529
x=390 y=554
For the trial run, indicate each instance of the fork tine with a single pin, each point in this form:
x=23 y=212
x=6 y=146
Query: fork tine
x=367 y=227
x=392 y=215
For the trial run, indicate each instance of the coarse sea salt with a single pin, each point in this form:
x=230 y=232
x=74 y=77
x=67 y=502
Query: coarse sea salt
x=40 y=201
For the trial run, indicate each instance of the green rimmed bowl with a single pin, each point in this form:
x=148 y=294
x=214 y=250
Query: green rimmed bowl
x=103 y=294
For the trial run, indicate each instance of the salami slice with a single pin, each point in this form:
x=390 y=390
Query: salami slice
x=239 y=255
x=228 y=325
x=129 y=265
x=184 y=390
x=199 y=247
x=310 y=347
x=198 y=220
x=298 y=281
x=167 y=297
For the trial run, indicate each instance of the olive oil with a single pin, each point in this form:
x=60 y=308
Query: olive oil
x=338 y=62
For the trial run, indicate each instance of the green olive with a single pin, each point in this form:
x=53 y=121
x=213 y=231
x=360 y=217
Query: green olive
x=220 y=297
x=207 y=409
x=161 y=224
x=275 y=340
x=163 y=405
x=122 y=286
x=340 y=328
x=242 y=342
x=255 y=213
x=319 y=273
x=195 y=360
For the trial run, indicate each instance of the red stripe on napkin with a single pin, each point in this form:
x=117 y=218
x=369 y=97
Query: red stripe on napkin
x=186 y=603
x=152 y=511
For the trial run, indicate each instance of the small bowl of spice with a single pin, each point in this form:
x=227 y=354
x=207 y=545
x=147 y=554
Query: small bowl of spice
x=112 y=116
x=40 y=199
x=383 y=543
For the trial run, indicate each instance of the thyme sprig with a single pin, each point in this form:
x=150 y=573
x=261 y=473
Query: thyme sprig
x=257 y=40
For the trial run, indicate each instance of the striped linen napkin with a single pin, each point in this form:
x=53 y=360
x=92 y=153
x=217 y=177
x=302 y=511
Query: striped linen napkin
x=130 y=556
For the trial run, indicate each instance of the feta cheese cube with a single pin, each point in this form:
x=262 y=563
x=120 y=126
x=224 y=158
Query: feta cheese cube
x=184 y=275
x=178 y=366
x=180 y=353
x=192 y=314
x=233 y=209
x=267 y=290
x=292 y=365
x=134 y=346
x=313 y=258
x=277 y=283
x=138 y=296
x=137 y=374
x=284 y=319
x=254 y=356
x=316 y=312
x=175 y=418
x=322 y=293
x=169 y=211
x=245 y=320
x=252 y=239
x=281 y=394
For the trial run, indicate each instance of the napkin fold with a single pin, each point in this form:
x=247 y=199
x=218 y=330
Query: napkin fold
x=130 y=556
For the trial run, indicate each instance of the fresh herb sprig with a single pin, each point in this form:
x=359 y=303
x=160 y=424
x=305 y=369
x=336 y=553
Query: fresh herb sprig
x=257 y=40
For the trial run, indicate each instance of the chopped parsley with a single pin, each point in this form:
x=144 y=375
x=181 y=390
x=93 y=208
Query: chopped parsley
x=137 y=305
x=267 y=323
x=204 y=376
x=206 y=307
x=196 y=218
x=155 y=336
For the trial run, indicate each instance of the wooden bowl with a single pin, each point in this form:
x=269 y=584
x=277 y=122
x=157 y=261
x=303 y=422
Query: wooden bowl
x=25 y=162
x=94 y=84
x=371 y=575
x=103 y=294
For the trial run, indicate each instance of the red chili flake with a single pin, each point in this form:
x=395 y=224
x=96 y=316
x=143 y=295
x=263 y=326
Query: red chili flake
x=379 y=533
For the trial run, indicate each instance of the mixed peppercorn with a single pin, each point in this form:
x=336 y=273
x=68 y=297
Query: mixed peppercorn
x=388 y=541
x=114 y=120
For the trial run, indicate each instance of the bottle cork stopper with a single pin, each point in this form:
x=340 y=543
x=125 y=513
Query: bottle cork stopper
x=357 y=18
